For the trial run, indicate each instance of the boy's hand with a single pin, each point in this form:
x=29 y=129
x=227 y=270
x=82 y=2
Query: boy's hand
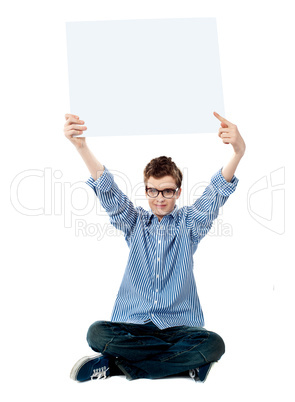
x=229 y=134
x=74 y=127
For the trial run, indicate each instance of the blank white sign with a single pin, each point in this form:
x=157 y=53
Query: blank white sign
x=136 y=77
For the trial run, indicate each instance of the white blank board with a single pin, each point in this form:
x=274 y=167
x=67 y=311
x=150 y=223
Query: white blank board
x=145 y=76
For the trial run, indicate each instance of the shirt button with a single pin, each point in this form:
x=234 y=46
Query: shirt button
x=156 y=302
x=159 y=241
x=152 y=315
x=157 y=290
x=158 y=259
x=157 y=276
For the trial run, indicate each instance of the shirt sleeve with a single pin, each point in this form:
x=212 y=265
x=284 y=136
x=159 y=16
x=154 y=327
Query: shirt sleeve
x=120 y=209
x=204 y=211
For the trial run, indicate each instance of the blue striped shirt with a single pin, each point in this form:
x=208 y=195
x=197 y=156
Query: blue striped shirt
x=159 y=284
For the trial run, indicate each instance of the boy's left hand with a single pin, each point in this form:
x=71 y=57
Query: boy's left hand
x=229 y=134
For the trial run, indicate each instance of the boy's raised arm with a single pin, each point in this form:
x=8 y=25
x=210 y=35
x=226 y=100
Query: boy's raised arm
x=120 y=209
x=204 y=211
x=74 y=127
x=229 y=134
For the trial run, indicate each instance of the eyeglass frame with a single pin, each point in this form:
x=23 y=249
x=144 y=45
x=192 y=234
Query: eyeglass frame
x=162 y=191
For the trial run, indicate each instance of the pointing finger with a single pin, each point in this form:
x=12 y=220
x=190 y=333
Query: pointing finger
x=222 y=119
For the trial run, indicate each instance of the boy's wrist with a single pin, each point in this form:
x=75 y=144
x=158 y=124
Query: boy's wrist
x=239 y=154
x=240 y=149
x=82 y=147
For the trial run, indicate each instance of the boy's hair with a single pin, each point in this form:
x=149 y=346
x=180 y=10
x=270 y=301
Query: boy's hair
x=161 y=167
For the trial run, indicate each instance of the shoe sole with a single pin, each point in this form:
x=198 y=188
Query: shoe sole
x=80 y=363
x=209 y=369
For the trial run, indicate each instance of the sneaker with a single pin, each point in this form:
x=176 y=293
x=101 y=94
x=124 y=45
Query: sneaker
x=91 y=368
x=201 y=373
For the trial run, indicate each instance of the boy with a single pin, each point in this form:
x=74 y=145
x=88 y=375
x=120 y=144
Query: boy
x=157 y=326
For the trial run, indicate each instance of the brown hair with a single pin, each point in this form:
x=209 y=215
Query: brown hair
x=161 y=167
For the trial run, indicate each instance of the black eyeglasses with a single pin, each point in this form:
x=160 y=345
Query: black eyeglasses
x=167 y=193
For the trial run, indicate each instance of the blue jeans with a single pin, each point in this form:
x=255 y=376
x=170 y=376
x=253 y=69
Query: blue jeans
x=145 y=351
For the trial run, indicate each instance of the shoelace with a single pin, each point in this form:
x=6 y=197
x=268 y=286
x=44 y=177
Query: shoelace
x=193 y=373
x=100 y=373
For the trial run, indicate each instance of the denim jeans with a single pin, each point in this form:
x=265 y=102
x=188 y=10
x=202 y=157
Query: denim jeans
x=145 y=351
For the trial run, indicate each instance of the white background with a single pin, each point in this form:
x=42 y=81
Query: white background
x=55 y=282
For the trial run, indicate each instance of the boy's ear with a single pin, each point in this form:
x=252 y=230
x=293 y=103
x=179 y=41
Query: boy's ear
x=178 y=193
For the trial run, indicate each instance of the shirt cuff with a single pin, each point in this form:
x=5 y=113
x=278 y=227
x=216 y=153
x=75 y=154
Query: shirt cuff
x=103 y=183
x=222 y=186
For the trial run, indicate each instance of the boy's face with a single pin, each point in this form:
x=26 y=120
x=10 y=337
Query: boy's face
x=160 y=205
